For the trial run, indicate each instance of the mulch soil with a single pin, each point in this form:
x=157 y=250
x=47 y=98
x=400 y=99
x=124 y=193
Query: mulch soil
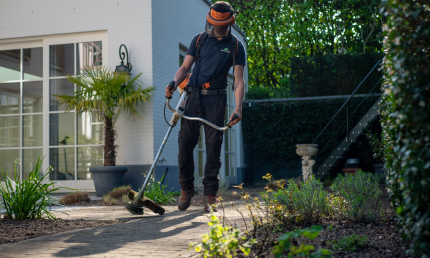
x=17 y=230
x=384 y=239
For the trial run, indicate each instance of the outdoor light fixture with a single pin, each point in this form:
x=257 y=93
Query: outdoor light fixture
x=124 y=67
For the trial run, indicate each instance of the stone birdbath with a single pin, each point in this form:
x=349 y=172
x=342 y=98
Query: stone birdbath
x=307 y=151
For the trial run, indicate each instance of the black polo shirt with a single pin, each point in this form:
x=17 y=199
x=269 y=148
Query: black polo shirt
x=214 y=59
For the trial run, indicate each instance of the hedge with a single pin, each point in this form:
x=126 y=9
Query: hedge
x=406 y=117
x=330 y=75
x=274 y=128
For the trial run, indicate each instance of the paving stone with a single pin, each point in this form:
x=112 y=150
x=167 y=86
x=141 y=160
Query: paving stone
x=148 y=235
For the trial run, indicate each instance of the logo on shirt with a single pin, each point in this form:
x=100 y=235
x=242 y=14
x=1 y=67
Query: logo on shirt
x=225 y=50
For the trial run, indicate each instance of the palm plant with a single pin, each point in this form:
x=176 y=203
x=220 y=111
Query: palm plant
x=106 y=94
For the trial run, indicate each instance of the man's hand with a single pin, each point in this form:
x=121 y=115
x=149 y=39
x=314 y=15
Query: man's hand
x=239 y=114
x=170 y=93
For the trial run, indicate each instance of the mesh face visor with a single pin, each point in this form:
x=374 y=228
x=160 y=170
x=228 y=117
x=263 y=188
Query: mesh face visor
x=219 y=19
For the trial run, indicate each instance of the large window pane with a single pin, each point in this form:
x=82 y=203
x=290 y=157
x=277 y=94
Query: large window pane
x=90 y=130
x=62 y=130
x=33 y=130
x=33 y=63
x=88 y=54
x=9 y=65
x=61 y=60
x=59 y=87
x=7 y=163
x=9 y=131
x=88 y=157
x=9 y=98
x=62 y=161
x=33 y=97
x=29 y=160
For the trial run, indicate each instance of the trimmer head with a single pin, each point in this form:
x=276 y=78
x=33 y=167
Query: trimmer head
x=136 y=205
x=135 y=210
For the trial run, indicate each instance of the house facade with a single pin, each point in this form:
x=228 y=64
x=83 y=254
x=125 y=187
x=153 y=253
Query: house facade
x=42 y=41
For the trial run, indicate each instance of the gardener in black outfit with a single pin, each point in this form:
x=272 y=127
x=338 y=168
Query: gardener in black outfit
x=213 y=51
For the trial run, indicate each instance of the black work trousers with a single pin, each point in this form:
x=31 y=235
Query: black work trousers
x=211 y=108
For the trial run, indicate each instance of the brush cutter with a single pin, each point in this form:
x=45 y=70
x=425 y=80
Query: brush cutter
x=138 y=200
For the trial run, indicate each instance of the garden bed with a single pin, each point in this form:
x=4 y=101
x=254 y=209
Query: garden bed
x=18 y=230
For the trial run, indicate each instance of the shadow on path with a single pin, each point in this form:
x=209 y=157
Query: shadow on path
x=140 y=230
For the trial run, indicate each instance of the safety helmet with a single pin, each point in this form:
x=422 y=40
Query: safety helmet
x=220 y=19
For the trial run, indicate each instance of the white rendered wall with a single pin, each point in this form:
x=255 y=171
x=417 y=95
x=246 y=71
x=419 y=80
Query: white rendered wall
x=125 y=21
x=174 y=23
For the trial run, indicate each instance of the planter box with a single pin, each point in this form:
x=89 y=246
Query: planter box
x=107 y=178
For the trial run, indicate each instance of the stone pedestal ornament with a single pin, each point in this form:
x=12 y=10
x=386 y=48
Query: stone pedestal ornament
x=307 y=151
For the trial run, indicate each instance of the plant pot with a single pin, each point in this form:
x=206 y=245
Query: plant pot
x=350 y=171
x=107 y=178
x=379 y=170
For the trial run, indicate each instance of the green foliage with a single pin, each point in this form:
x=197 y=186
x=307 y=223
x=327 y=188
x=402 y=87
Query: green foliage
x=28 y=198
x=158 y=192
x=350 y=243
x=405 y=113
x=309 y=199
x=331 y=75
x=222 y=241
x=109 y=200
x=265 y=125
x=74 y=198
x=362 y=195
x=280 y=29
x=118 y=192
x=257 y=92
x=106 y=94
x=302 y=250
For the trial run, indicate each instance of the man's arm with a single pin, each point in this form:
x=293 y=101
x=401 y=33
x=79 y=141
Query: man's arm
x=239 y=92
x=181 y=74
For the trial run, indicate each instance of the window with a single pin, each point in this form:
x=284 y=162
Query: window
x=21 y=99
x=75 y=142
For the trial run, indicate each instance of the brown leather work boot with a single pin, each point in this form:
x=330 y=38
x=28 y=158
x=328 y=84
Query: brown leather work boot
x=209 y=201
x=185 y=199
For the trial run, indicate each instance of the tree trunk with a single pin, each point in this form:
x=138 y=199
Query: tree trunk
x=109 y=147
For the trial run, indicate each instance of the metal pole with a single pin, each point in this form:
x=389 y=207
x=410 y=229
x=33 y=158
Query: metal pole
x=347 y=124
x=145 y=184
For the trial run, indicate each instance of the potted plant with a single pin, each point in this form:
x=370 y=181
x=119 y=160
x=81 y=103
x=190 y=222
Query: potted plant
x=106 y=95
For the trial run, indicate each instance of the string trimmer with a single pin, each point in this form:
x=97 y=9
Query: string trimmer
x=138 y=200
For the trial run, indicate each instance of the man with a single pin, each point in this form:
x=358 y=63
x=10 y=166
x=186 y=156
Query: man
x=207 y=88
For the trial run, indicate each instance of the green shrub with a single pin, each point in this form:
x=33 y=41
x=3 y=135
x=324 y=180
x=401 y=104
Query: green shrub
x=265 y=125
x=405 y=111
x=118 y=192
x=362 y=195
x=28 y=198
x=222 y=241
x=158 y=193
x=257 y=92
x=74 y=198
x=110 y=201
x=350 y=243
x=302 y=250
x=329 y=75
x=308 y=200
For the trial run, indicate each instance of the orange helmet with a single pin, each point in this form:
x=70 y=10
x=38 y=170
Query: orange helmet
x=219 y=19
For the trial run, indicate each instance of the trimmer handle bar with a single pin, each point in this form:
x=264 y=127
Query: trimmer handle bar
x=180 y=109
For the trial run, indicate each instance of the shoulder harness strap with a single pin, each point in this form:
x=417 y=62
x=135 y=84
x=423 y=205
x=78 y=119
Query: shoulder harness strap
x=202 y=37
x=234 y=46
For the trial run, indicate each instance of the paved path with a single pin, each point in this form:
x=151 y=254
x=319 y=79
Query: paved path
x=149 y=235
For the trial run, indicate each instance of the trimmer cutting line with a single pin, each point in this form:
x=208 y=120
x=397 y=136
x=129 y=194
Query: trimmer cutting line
x=138 y=200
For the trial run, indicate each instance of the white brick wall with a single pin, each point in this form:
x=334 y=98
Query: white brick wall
x=126 y=22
